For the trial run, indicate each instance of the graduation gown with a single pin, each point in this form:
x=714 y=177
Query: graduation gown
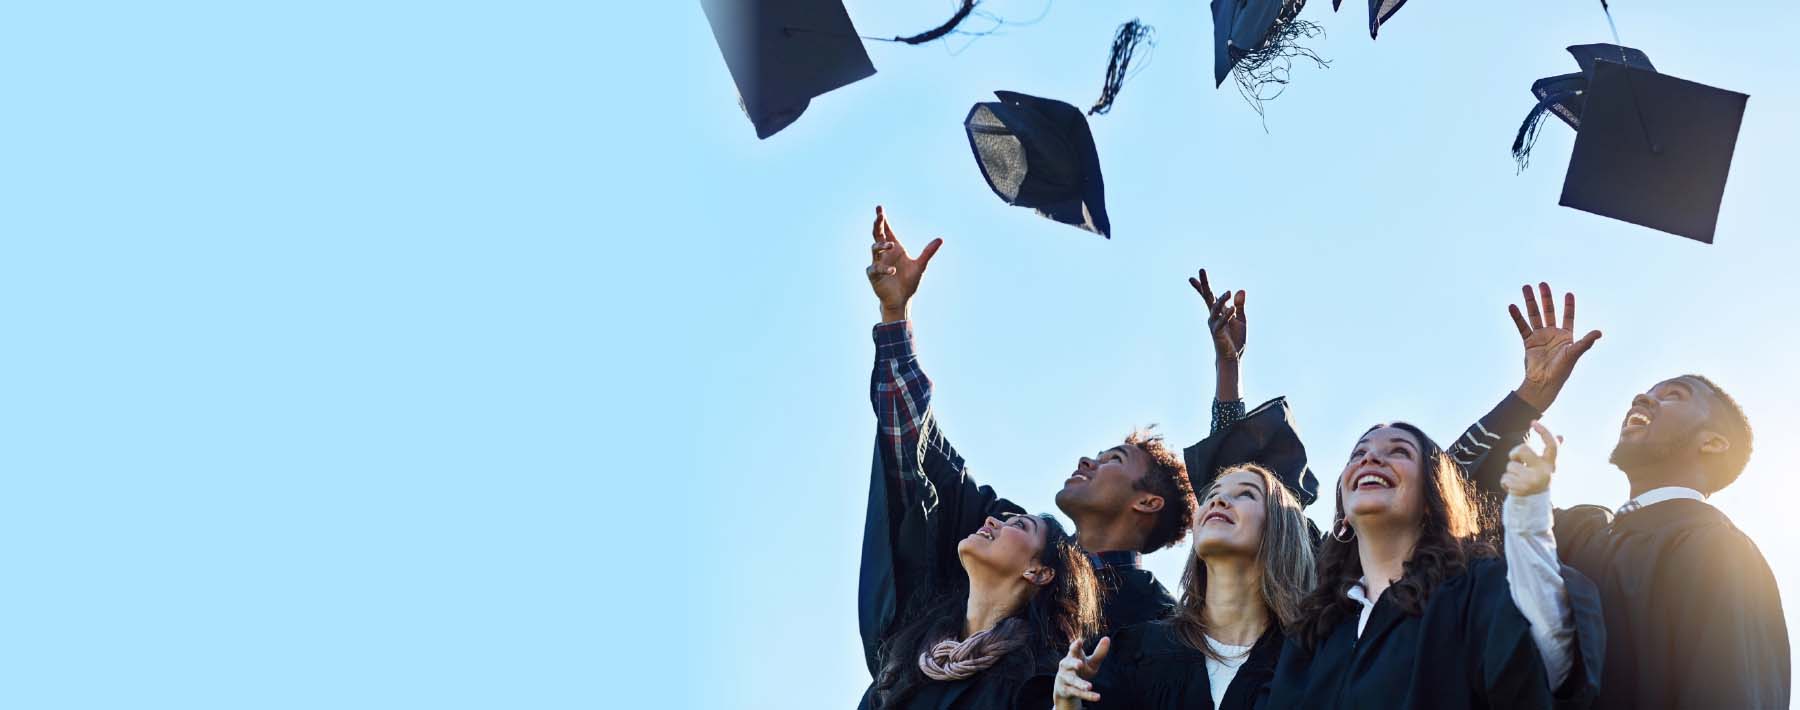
x=1131 y=595
x=1693 y=616
x=1470 y=648
x=1150 y=668
x=909 y=561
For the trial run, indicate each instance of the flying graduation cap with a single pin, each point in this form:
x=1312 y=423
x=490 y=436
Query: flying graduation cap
x=1254 y=39
x=1566 y=95
x=1039 y=153
x=782 y=53
x=1650 y=149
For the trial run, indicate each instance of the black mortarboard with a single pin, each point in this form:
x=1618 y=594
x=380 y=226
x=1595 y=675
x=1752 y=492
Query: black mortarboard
x=1653 y=150
x=1379 y=12
x=1038 y=153
x=1265 y=436
x=782 y=53
x=1566 y=94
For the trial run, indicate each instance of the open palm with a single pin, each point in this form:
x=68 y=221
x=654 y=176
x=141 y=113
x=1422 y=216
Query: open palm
x=1551 y=349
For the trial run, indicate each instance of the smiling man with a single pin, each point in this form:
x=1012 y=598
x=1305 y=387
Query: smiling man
x=1693 y=615
x=1125 y=500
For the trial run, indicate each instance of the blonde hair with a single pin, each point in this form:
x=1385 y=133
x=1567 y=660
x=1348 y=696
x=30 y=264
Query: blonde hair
x=1286 y=571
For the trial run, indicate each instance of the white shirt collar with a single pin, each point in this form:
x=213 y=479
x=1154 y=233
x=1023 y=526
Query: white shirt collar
x=1357 y=594
x=1657 y=495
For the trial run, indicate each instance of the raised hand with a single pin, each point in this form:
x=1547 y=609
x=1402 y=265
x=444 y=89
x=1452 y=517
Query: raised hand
x=1074 y=672
x=1225 y=318
x=893 y=273
x=1527 y=471
x=1551 y=350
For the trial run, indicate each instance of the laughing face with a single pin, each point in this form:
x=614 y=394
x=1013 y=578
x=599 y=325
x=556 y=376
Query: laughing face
x=1009 y=547
x=1383 y=477
x=1662 y=424
x=1232 y=512
x=1104 y=483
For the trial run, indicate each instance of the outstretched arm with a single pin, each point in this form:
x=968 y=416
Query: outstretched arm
x=1551 y=351
x=1225 y=321
x=921 y=498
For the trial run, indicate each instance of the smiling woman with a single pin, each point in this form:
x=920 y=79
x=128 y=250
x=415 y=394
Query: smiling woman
x=1416 y=610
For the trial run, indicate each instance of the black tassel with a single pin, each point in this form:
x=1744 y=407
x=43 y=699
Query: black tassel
x=962 y=13
x=1534 y=123
x=1124 y=43
x=1270 y=65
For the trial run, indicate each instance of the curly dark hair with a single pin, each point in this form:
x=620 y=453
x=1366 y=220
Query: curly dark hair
x=1453 y=532
x=1728 y=415
x=1165 y=476
x=1067 y=608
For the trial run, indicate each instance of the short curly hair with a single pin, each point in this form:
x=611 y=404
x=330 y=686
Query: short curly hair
x=1728 y=415
x=1165 y=476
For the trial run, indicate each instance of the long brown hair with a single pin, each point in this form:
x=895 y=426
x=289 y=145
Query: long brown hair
x=1065 y=609
x=1284 y=560
x=1451 y=534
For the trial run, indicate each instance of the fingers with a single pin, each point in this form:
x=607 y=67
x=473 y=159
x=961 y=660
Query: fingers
x=1204 y=287
x=930 y=249
x=887 y=230
x=1524 y=454
x=1531 y=309
x=1238 y=303
x=1581 y=346
x=1519 y=320
x=1216 y=317
x=878 y=250
x=1551 y=442
x=877 y=272
x=1569 y=311
x=1549 y=304
x=1099 y=654
x=879 y=218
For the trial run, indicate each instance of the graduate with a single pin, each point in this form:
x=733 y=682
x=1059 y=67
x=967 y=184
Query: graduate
x=1693 y=615
x=1252 y=562
x=965 y=600
x=1416 y=609
x=1126 y=500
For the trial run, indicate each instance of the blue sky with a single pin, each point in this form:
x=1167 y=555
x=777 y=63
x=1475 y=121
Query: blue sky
x=470 y=355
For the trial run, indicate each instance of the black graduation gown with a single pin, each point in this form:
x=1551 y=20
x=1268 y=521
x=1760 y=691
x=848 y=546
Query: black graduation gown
x=1693 y=616
x=1131 y=595
x=1470 y=648
x=914 y=520
x=1149 y=668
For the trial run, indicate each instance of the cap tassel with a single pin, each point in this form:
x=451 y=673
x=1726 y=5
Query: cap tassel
x=962 y=13
x=1534 y=123
x=1124 y=44
x=1270 y=65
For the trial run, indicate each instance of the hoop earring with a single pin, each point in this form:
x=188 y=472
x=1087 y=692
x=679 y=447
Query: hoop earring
x=1342 y=532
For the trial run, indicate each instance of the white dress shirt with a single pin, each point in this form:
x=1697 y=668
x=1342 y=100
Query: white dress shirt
x=1219 y=673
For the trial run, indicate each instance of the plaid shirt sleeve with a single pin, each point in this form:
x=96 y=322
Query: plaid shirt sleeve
x=901 y=395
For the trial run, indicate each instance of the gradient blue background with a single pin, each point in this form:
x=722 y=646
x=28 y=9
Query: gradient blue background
x=477 y=355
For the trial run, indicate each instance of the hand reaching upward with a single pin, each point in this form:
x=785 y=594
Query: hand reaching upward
x=893 y=273
x=1551 y=351
x=1225 y=318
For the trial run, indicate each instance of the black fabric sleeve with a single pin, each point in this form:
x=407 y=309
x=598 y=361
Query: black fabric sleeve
x=1482 y=448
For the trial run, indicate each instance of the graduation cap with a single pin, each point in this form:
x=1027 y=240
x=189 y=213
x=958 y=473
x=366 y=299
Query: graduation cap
x=782 y=53
x=1265 y=436
x=1653 y=150
x=1039 y=153
x=1566 y=95
x=1379 y=12
x=1253 y=39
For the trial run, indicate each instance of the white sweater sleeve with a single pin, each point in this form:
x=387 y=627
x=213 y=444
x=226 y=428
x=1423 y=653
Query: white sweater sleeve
x=1535 y=578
